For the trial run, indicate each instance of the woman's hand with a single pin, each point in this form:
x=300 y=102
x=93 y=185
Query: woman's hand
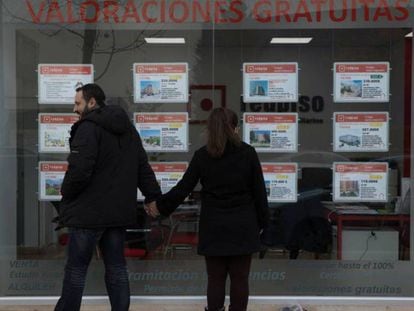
x=151 y=209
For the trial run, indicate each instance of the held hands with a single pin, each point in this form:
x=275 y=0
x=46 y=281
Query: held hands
x=151 y=209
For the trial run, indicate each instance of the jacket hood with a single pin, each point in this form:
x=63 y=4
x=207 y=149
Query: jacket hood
x=112 y=118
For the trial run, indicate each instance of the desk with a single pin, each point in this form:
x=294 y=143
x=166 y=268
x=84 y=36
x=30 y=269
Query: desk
x=340 y=218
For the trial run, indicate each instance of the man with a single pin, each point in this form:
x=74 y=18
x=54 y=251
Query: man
x=106 y=165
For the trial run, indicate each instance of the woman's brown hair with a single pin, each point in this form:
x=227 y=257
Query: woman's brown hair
x=221 y=126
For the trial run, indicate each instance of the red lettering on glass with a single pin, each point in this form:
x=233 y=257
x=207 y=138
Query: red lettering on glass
x=302 y=11
x=318 y=10
x=257 y=10
x=383 y=10
x=145 y=8
x=130 y=12
x=173 y=11
x=332 y=15
x=401 y=6
x=83 y=12
x=54 y=13
x=110 y=10
x=204 y=12
x=234 y=8
x=69 y=10
x=366 y=5
x=35 y=17
x=219 y=12
x=282 y=9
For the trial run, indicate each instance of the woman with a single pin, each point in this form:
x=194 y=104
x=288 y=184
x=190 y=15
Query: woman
x=233 y=212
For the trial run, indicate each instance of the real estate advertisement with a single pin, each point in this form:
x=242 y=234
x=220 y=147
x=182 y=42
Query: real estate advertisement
x=281 y=181
x=57 y=83
x=361 y=131
x=50 y=180
x=360 y=181
x=163 y=131
x=54 y=131
x=271 y=132
x=168 y=174
x=361 y=82
x=270 y=82
x=160 y=82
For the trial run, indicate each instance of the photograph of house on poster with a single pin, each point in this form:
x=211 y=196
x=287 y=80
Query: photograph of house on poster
x=54 y=131
x=361 y=131
x=270 y=82
x=167 y=131
x=51 y=174
x=271 y=132
x=160 y=82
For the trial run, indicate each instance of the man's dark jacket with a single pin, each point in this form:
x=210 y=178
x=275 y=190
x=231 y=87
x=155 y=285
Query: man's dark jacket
x=106 y=165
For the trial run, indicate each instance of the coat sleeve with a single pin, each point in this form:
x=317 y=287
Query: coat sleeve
x=169 y=201
x=147 y=182
x=81 y=160
x=259 y=192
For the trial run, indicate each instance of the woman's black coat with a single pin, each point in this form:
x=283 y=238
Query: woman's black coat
x=233 y=200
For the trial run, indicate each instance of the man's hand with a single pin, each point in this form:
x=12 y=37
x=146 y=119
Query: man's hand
x=151 y=209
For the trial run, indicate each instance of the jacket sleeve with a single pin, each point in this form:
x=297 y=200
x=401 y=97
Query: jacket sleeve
x=81 y=160
x=259 y=192
x=169 y=201
x=147 y=182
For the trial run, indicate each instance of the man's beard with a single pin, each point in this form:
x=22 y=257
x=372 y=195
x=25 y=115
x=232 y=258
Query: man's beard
x=85 y=111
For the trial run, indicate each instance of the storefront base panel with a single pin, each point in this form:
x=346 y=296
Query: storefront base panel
x=190 y=303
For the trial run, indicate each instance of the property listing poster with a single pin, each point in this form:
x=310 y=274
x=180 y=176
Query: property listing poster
x=160 y=82
x=168 y=174
x=50 y=180
x=281 y=181
x=361 y=131
x=57 y=83
x=271 y=132
x=360 y=181
x=361 y=82
x=54 y=131
x=270 y=82
x=163 y=131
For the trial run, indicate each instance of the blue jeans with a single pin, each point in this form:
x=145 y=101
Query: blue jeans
x=82 y=244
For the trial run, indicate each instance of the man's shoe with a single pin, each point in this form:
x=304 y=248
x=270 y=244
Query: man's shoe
x=295 y=307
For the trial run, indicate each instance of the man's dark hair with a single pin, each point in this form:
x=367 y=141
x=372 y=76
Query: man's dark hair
x=92 y=90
